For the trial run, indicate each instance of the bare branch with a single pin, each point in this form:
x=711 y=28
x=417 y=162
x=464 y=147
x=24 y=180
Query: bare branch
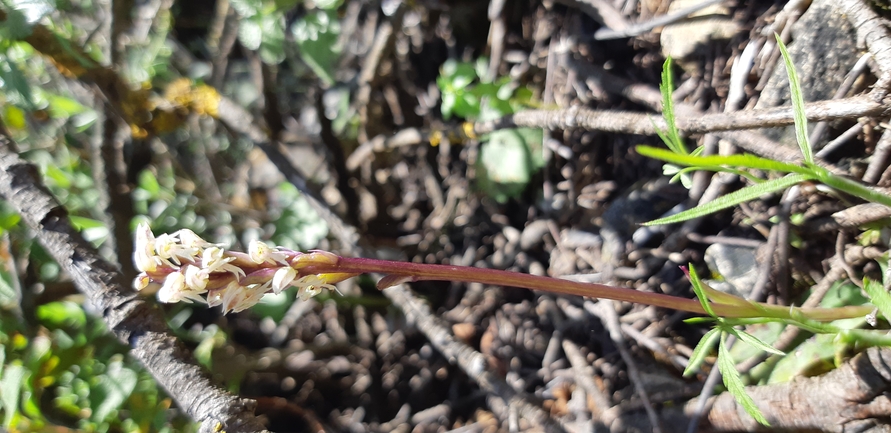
x=647 y=124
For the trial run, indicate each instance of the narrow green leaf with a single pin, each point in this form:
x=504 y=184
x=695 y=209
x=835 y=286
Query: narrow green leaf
x=797 y=104
x=672 y=138
x=748 y=193
x=753 y=341
x=701 y=351
x=699 y=289
x=732 y=161
x=734 y=383
x=879 y=296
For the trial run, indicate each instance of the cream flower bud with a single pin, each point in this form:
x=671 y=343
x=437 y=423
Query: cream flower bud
x=282 y=279
x=189 y=239
x=141 y=281
x=144 y=250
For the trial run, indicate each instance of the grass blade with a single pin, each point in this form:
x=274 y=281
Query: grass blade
x=672 y=137
x=734 y=383
x=733 y=161
x=748 y=193
x=797 y=105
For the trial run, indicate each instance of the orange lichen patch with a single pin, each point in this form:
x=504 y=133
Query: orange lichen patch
x=206 y=101
x=201 y=99
x=435 y=138
x=467 y=129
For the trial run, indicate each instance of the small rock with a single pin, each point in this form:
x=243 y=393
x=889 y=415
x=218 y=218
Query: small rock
x=738 y=266
x=684 y=39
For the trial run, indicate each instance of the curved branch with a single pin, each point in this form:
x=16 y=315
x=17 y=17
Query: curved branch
x=131 y=319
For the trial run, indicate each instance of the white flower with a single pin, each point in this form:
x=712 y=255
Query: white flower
x=214 y=261
x=196 y=278
x=251 y=297
x=310 y=286
x=283 y=278
x=169 y=248
x=261 y=253
x=174 y=290
x=144 y=250
x=236 y=298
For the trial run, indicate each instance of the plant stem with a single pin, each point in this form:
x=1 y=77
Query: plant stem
x=428 y=272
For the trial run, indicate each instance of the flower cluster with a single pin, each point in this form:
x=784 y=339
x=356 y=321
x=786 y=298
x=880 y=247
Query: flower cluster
x=190 y=269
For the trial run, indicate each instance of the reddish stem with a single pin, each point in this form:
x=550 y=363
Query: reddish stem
x=421 y=272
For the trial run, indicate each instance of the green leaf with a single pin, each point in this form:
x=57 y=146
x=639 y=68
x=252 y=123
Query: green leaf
x=672 y=137
x=250 y=32
x=8 y=295
x=10 y=390
x=701 y=351
x=272 y=48
x=734 y=161
x=82 y=223
x=15 y=83
x=149 y=183
x=21 y=15
x=797 y=104
x=734 y=383
x=504 y=165
x=533 y=138
x=61 y=107
x=63 y=314
x=14 y=117
x=246 y=8
x=743 y=195
x=316 y=34
x=755 y=342
x=812 y=357
x=879 y=296
x=111 y=389
x=699 y=289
